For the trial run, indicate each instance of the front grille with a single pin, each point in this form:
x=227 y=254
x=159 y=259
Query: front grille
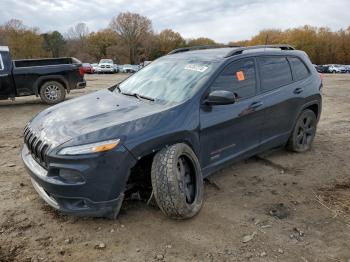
x=37 y=147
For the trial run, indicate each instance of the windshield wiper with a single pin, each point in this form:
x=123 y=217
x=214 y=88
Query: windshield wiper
x=138 y=96
x=112 y=88
x=146 y=97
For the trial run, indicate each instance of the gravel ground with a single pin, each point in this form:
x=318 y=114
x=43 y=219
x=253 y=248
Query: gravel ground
x=310 y=193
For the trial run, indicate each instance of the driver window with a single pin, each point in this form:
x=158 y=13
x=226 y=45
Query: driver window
x=238 y=77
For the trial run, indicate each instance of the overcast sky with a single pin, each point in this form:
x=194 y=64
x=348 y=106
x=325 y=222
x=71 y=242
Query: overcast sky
x=223 y=21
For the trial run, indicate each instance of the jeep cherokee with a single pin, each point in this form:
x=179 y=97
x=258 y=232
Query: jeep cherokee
x=181 y=118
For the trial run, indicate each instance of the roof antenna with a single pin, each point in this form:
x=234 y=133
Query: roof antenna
x=266 y=41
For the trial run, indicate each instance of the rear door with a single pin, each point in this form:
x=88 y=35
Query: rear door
x=6 y=84
x=282 y=95
x=227 y=131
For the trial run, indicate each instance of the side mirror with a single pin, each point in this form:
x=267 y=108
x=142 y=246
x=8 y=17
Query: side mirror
x=220 y=97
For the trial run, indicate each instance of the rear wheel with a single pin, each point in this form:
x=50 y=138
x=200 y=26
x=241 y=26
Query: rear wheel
x=304 y=132
x=177 y=181
x=52 y=92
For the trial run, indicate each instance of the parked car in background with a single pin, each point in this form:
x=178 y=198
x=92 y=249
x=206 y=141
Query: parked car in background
x=95 y=67
x=336 y=69
x=49 y=78
x=116 y=68
x=130 y=68
x=347 y=68
x=106 y=66
x=88 y=69
x=177 y=121
x=145 y=63
x=322 y=68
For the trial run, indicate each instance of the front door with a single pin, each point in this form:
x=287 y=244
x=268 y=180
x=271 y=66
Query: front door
x=229 y=131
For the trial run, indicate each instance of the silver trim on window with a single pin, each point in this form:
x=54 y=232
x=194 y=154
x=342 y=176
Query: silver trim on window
x=1 y=63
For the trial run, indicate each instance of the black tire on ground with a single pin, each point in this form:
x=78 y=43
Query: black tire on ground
x=52 y=92
x=177 y=181
x=303 y=133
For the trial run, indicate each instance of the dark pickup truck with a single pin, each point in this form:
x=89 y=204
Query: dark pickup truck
x=49 y=78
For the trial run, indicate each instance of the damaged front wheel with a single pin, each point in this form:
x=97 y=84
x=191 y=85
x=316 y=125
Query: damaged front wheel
x=177 y=181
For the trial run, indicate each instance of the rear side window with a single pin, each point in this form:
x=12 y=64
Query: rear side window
x=238 y=77
x=1 y=63
x=274 y=72
x=298 y=68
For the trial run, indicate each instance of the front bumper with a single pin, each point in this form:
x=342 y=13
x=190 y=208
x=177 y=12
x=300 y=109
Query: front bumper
x=106 y=70
x=101 y=192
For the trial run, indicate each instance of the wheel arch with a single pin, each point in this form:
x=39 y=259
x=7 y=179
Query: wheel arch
x=43 y=79
x=145 y=152
x=315 y=106
x=149 y=146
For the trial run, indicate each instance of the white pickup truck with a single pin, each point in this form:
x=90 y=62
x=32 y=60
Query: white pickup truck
x=106 y=66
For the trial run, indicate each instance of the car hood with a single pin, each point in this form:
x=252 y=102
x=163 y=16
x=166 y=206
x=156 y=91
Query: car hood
x=87 y=114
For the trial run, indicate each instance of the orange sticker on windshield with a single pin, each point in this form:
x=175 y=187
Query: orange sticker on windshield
x=240 y=75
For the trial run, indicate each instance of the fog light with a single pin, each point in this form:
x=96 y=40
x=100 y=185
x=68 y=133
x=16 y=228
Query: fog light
x=70 y=176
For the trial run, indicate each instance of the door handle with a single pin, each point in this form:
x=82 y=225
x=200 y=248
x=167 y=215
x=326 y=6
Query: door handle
x=255 y=105
x=298 y=90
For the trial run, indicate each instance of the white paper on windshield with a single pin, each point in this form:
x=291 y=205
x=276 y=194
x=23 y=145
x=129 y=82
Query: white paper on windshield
x=197 y=68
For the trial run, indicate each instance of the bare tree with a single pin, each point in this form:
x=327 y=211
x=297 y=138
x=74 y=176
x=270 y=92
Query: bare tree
x=76 y=40
x=78 y=32
x=15 y=24
x=132 y=29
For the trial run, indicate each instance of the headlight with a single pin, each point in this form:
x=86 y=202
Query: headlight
x=90 y=148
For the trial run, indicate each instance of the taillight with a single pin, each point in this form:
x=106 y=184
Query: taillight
x=81 y=71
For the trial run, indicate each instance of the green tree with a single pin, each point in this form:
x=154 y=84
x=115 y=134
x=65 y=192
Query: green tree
x=54 y=43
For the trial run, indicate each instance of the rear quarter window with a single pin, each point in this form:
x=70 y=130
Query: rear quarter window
x=299 y=69
x=274 y=72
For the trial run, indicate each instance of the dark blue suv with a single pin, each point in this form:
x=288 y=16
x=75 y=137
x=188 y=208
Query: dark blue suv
x=170 y=125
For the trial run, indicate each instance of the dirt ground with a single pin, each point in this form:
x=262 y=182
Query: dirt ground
x=239 y=221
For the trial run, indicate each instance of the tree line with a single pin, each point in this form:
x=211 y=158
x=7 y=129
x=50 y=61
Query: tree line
x=130 y=38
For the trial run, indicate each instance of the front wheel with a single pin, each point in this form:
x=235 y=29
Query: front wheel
x=303 y=133
x=52 y=92
x=177 y=181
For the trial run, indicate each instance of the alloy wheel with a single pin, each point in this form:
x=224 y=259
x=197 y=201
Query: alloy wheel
x=186 y=171
x=306 y=132
x=52 y=92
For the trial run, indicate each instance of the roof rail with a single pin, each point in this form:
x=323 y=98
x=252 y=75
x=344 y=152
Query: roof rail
x=199 y=47
x=240 y=50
